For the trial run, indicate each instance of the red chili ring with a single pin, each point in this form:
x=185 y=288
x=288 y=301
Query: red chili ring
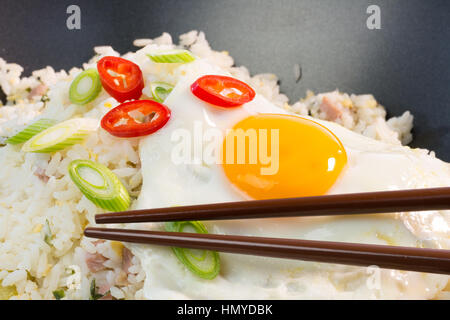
x=127 y=84
x=154 y=116
x=222 y=91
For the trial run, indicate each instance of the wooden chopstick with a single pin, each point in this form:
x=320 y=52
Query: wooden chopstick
x=329 y=205
x=391 y=257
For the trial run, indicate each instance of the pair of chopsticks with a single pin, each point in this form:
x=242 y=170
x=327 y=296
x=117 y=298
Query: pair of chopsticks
x=383 y=256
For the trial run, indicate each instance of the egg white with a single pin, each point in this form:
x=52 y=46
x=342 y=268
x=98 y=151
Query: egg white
x=372 y=166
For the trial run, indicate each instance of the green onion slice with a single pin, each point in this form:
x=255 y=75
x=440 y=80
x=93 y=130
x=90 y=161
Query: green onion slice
x=203 y=263
x=99 y=184
x=61 y=136
x=160 y=90
x=59 y=294
x=31 y=130
x=94 y=291
x=48 y=236
x=85 y=87
x=172 y=56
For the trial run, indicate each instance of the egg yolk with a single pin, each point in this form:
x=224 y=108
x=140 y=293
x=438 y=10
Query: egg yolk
x=270 y=156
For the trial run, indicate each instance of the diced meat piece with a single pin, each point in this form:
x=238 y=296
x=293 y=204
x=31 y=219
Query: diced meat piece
x=332 y=110
x=107 y=297
x=38 y=91
x=97 y=242
x=95 y=262
x=40 y=173
x=104 y=288
x=127 y=256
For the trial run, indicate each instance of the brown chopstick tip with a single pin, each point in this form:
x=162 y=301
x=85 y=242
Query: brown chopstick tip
x=357 y=254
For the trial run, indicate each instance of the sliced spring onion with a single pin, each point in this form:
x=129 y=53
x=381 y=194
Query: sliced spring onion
x=94 y=291
x=160 y=90
x=99 y=184
x=31 y=130
x=85 y=87
x=48 y=236
x=7 y=292
x=59 y=294
x=171 y=56
x=61 y=136
x=203 y=263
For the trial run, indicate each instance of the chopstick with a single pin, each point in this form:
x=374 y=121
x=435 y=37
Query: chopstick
x=329 y=205
x=390 y=257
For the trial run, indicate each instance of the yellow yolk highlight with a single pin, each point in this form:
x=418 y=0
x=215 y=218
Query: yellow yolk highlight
x=270 y=156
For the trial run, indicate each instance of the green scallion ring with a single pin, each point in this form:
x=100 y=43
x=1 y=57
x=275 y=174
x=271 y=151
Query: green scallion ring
x=172 y=56
x=61 y=136
x=100 y=185
x=85 y=87
x=31 y=130
x=203 y=263
x=160 y=90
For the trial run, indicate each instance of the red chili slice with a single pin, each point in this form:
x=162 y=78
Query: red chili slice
x=222 y=91
x=121 y=78
x=136 y=118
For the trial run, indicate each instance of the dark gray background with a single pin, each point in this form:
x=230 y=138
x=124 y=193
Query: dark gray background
x=406 y=64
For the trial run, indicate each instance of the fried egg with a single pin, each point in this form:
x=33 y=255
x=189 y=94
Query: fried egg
x=315 y=157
